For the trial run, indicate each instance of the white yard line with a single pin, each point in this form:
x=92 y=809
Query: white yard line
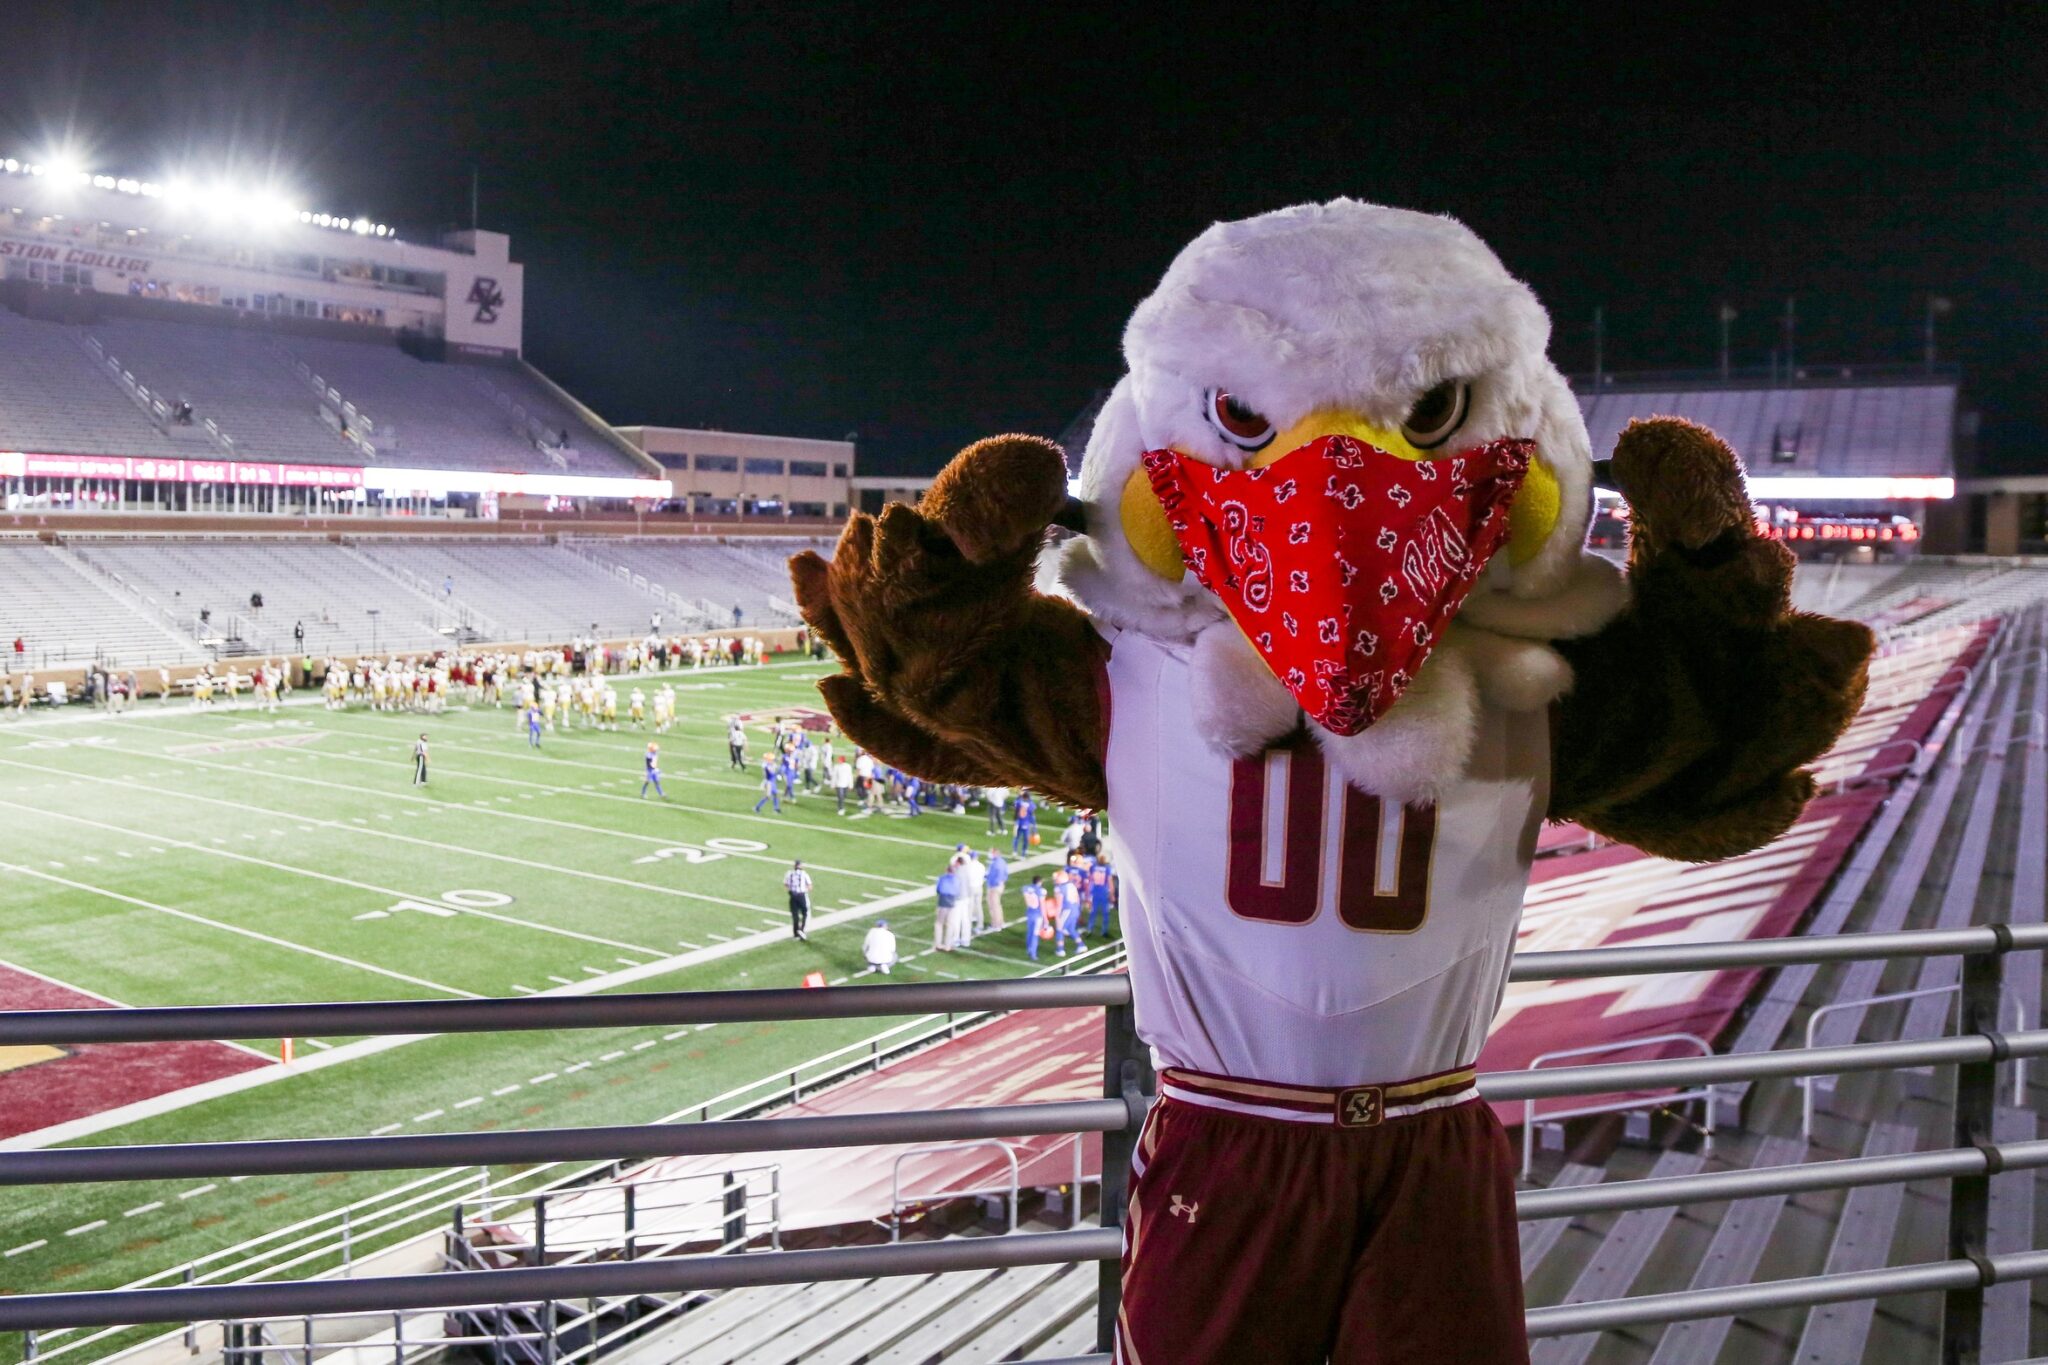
x=614 y=771
x=245 y=933
x=355 y=826
x=71 y=1131
x=395 y=894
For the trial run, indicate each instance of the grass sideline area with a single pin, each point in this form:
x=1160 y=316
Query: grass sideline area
x=188 y=856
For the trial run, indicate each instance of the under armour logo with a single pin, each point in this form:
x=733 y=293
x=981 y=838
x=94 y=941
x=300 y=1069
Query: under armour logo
x=1181 y=1206
x=487 y=297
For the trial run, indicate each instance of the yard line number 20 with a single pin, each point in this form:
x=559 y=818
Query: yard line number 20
x=1277 y=804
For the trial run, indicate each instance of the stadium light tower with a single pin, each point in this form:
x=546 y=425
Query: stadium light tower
x=1937 y=306
x=1727 y=319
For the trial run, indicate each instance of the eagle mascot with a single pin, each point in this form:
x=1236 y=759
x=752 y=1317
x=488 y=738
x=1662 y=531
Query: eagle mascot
x=1335 y=651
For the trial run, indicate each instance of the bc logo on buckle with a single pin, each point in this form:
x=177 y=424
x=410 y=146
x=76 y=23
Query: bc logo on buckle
x=1361 y=1108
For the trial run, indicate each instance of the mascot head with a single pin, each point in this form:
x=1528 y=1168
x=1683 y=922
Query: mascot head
x=1399 y=330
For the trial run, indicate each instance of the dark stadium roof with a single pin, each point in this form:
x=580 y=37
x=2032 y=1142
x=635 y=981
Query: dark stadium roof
x=1848 y=423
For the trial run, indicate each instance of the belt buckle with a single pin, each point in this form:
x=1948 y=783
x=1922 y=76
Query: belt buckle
x=1363 y=1106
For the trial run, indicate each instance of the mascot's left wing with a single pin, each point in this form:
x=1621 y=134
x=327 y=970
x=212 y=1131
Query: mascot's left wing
x=1694 y=712
x=955 y=669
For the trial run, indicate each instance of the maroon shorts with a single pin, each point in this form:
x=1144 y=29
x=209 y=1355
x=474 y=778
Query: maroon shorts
x=1368 y=1226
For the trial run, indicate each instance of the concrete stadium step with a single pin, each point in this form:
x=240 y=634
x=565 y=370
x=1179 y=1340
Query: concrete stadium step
x=756 y=1331
x=1835 y=1332
x=873 y=1299
x=702 y=1326
x=1539 y=1237
x=1614 y=1267
x=938 y=1338
x=931 y=1299
x=1732 y=1258
x=1077 y=1338
x=1035 y=1320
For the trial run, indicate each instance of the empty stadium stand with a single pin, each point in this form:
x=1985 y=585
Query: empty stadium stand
x=752 y=574
x=439 y=416
x=62 y=391
x=65 y=613
x=315 y=584
x=54 y=399
x=1846 y=427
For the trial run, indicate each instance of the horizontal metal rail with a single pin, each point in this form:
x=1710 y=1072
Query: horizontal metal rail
x=1651 y=1309
x=304 y=1156
x=1532 y=1205
x=307 y=1156
x=202 y=1023
x=487 y=1288
x=205 y=1023
x=1754 y=1066
x=463 y=1289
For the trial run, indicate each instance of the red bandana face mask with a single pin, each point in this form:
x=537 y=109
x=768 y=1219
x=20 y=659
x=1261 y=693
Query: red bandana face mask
x=1341 y=563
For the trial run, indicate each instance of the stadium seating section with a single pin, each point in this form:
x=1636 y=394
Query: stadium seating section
x=137 y=602
x=1850 y=430
x=57 y=396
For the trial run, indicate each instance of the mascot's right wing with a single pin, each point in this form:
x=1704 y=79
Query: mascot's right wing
x=955 y=669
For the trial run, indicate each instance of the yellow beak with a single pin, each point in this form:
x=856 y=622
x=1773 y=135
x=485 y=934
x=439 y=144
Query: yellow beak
x=1531 y=519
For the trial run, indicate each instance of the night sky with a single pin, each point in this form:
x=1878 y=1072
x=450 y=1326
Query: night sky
x=925 y=223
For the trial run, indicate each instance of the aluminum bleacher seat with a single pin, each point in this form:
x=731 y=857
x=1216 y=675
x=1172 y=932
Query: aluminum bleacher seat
x=441 y=419
x=53 y=400
x=235 y=377
x=318 y=585
x=526 y=591
x=64 y=615
x=750 y=574
x=1835 y=1332
x=1614 y=1267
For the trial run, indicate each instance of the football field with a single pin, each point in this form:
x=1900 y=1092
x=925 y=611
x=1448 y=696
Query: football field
x=179 y=856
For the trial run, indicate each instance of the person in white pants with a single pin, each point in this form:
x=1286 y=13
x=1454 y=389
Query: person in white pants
x=879 y=947
x=973 y=900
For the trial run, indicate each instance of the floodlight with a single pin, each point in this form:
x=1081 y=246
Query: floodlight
x=11 y=164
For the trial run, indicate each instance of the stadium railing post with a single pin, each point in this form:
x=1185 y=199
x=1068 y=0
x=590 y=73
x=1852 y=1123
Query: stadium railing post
x=1127 y=1075
x=1969 y=1198
x=733 y=1226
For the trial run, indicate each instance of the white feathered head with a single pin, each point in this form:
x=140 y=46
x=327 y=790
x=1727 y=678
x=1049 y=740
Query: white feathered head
x=1400 y=329
x=1344 y=318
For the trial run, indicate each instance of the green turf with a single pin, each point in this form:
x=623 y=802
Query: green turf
x=188 y=857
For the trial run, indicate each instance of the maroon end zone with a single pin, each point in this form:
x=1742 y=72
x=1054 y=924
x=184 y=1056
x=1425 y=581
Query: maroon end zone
x=41 y=1086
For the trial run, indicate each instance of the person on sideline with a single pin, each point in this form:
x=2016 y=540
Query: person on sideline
x=1034 y=915
x=770 y=775
x=798 y=883
x=947 y=894
x=879 y=947
x=419 y=761
x=998 y=873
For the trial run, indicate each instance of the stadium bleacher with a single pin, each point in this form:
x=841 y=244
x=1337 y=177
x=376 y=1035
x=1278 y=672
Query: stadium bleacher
x=445 y=417
x=64 y=613
x=57 y=397
x=752 y=575
x=1844 y=430
x=54 y=399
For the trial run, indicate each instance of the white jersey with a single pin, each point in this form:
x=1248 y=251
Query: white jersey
x=1285 y=927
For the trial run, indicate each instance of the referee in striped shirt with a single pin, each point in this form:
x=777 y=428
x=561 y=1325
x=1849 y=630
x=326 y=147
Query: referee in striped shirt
x=798 y=882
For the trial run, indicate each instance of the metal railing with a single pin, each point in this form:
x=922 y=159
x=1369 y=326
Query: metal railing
x=1975 y=1156
x=1531 y=1121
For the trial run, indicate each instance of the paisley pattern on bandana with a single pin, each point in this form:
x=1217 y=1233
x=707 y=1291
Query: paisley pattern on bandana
x=1341 y=563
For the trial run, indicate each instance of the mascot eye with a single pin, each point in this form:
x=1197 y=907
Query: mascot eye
x=1437 y=415
x=1237 y=423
